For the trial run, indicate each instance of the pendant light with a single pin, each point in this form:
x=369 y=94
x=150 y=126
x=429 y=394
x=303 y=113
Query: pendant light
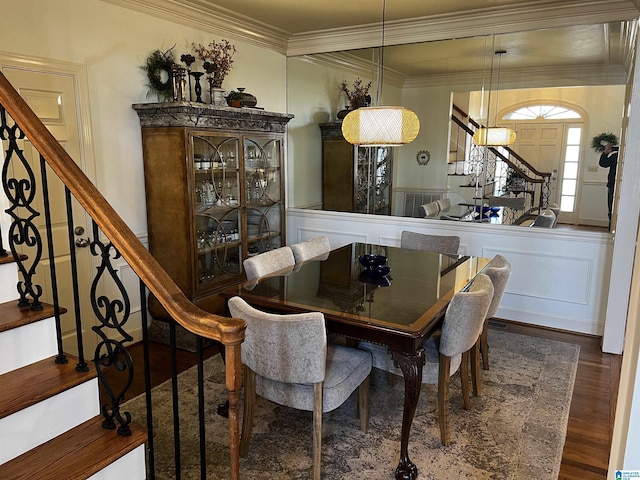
x=380 y=125
x=495 y=136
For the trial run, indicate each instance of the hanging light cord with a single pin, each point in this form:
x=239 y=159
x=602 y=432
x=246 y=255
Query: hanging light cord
x=500 y=53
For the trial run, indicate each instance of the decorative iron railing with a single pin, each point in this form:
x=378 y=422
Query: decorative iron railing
x=112 y=239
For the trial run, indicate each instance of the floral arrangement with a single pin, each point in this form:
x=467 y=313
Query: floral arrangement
x=217 y=58
x=158 y=69
x=359 y=95
x=599 y=141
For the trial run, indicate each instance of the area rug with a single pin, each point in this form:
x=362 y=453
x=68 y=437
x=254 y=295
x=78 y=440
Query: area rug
x=515 y=430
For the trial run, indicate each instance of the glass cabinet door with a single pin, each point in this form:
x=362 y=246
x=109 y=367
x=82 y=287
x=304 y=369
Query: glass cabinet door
x=263 y=193
x=217 y=208
x=373 y=179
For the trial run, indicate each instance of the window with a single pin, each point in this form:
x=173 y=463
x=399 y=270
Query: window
x=542 y=112
x=569 y=183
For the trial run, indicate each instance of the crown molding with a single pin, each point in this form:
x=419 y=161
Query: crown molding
x=355 y=65
x=210 y=18
x=493 y=20
x=557 y=76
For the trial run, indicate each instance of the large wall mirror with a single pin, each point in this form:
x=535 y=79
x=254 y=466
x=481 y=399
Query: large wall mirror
x=558 y=88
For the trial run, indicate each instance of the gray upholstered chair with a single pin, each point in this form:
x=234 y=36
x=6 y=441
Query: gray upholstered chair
x=547 y=219
x=317 y=247
x=447 y=244
x=499 y=271
x=268 y=262
x=444 y=204
x=458 y=342
x=287 y=361
x=428 y=210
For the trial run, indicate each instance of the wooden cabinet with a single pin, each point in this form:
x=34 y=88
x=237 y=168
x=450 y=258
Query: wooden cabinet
x=214 y=190
x=354 y=179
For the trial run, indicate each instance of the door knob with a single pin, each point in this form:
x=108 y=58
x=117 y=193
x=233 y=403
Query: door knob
x=82 y=242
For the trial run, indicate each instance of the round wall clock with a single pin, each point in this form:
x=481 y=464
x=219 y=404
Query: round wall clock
x=423 y=157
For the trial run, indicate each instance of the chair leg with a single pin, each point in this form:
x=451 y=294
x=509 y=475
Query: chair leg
x=363 y=404
x=443 y=398
x=484 y=345
x=475 y=369
x=249 y=406
x=464 y=380
x=317 y=429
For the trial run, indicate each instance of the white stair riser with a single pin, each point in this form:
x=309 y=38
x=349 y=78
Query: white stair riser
x=131 y=466
x=8 y=282
x=47 y=419
x=27 y=344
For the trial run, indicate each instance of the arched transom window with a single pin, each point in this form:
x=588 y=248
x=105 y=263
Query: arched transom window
x=542 y=112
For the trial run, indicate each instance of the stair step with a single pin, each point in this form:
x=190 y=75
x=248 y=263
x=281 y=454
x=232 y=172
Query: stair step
x=43 y=400
x=75 y=455
x=33 y=383
x=12 y=316
x=26 y=336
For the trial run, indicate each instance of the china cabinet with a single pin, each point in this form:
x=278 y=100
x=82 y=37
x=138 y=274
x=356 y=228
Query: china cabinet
x=214 y=191
x=354 y=179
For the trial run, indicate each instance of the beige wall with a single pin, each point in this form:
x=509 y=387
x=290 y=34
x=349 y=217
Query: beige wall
x=113 y=42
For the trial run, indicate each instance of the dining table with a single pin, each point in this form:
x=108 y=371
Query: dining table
x=399 y=306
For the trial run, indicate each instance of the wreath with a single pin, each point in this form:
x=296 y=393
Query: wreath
x=157 y=63
x=599 y=141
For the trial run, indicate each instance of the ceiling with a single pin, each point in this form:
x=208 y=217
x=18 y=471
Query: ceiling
x=587 y=35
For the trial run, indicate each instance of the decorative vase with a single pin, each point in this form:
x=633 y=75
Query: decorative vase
x=217 y=96
x=343 y=113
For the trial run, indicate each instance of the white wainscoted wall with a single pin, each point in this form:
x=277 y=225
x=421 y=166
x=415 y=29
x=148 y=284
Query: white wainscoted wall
x=559 y=278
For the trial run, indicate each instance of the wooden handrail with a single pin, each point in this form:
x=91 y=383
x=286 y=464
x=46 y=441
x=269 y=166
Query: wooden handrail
x=509 y=149
x=229 y=331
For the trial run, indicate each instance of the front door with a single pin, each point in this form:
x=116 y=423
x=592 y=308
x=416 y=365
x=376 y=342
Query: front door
x=52 y=97
x=540 y=144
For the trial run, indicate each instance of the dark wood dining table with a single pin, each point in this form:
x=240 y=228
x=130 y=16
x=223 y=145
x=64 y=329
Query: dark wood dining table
x=399 y=310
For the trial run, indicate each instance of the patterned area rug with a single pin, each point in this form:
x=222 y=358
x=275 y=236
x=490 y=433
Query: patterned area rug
x=515 y=430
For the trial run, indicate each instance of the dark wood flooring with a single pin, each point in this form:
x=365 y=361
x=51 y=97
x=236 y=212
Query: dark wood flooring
x=586 y=451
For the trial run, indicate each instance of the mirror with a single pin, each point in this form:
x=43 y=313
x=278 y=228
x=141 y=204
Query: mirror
x=581 y=68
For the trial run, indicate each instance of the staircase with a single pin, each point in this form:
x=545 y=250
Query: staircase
x=50 y=421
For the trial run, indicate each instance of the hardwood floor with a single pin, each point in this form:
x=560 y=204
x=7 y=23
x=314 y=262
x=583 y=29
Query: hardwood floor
x=586 y=450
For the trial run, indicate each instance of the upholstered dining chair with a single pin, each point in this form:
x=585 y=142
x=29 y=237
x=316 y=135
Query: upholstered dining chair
x=287 y=360
x=546 y=219
x=461 y=330
x=498 y=271
x=316 y=247
x=268 y=262
x=446 y=244
x=444 y=203
x=428 y=209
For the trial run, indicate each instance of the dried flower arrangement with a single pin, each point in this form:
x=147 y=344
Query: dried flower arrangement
x=359 y=96
x=217 y=58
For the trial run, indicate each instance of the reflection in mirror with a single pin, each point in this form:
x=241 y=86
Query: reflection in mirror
x=559 y=88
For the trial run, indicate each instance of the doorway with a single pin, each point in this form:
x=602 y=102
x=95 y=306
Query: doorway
x=53 y=93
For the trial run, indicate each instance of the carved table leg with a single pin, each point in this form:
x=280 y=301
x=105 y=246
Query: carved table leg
x=411 y=366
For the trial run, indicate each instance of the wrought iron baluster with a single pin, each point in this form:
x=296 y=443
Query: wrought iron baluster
x=22 y=232
x=147 y=382
x=82 y=364
x=201 y=414
x=112 y=314
x=61 y=358
x=175 y=402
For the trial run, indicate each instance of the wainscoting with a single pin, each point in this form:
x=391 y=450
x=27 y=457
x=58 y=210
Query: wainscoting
x=560 y=278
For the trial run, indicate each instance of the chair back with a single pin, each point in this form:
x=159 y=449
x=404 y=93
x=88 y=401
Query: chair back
x=268 y=262
x=498 y=271
x=429 y=209
x=444 y=204
x=286 y=348
x=465 y=317
x=313 y=248
x=447 y=244
x=547 y=219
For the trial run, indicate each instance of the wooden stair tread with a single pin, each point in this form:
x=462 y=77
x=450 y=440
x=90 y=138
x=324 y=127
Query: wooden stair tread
x=33 y=383
x=10 y=259
x=13 y=316
x=76 y=454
